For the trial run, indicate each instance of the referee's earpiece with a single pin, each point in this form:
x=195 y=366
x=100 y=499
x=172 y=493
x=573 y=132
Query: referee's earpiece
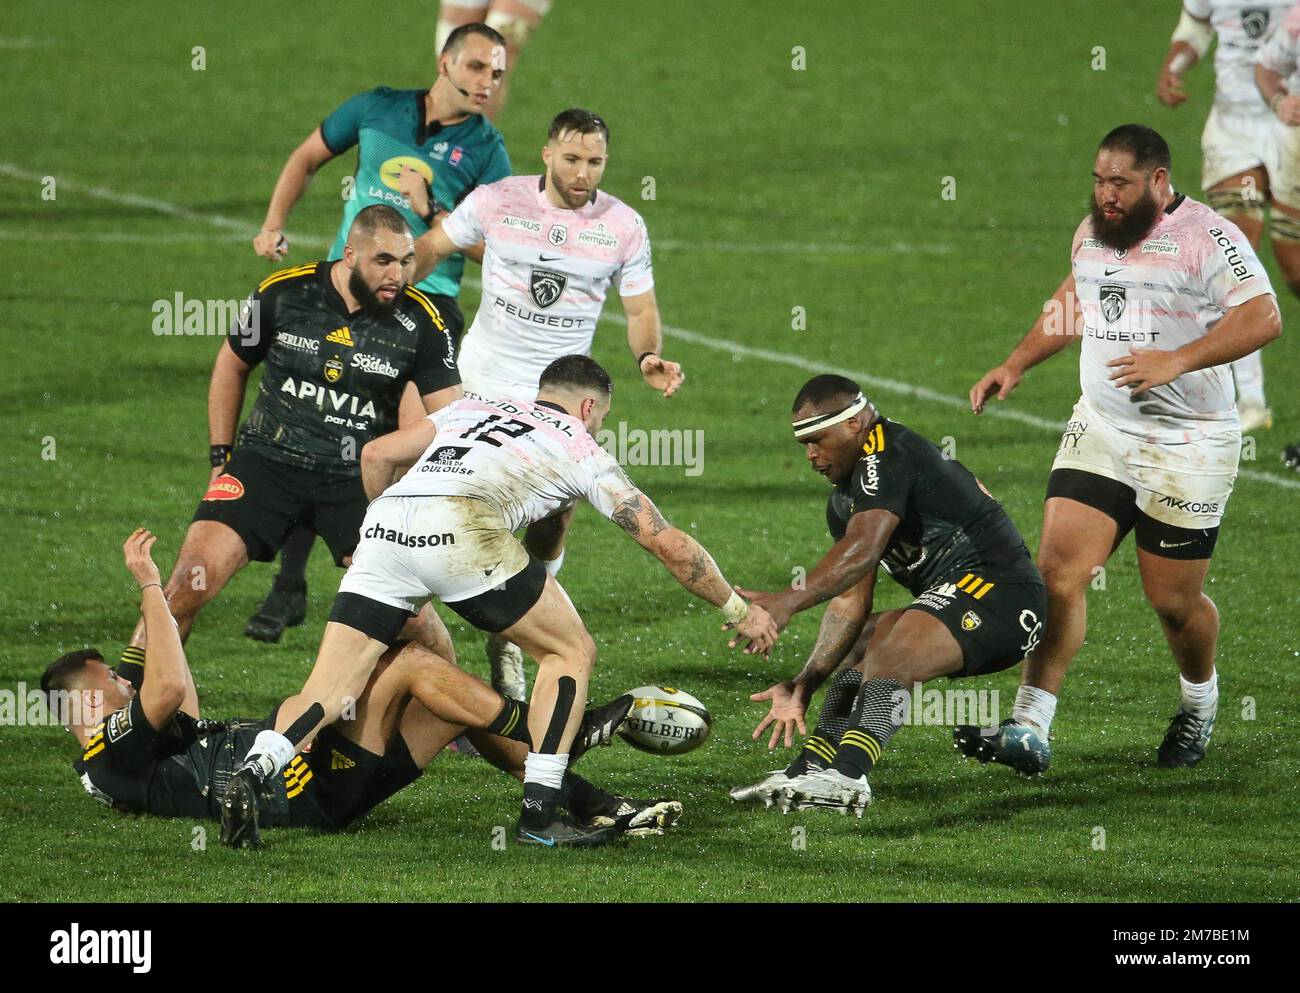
x=447 y=76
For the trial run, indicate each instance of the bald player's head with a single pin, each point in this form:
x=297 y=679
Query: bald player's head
x=380 y=254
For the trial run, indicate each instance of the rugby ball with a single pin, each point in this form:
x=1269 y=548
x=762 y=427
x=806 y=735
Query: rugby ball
x=665 y=721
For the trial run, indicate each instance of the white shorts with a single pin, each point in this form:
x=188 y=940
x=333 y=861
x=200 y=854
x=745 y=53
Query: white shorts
x=1183 y=485
x=1233 y=144
x=411 y=548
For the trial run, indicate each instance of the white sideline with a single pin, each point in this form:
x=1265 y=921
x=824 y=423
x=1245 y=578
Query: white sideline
x=734 y=348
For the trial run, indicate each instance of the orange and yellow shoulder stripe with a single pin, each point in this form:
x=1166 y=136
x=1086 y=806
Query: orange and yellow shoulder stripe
x=419 y=297
x=875 y=443
x=293 y=272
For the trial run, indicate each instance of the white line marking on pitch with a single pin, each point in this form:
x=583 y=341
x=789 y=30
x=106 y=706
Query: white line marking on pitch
x=694 y=337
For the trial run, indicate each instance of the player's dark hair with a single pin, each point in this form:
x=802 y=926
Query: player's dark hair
x=457 y=38
x=580 y=372
x=63 y=673
x=1149 y=150
x=575 y=119
x=377 y=217
x=826 y=390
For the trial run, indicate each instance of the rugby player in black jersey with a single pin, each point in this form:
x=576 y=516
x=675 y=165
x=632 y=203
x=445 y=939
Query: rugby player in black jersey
x=901 y=503
x=338 y=342
x=146 y=750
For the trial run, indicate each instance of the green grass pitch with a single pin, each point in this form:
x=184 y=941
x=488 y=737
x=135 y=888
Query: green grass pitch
x=774 y=188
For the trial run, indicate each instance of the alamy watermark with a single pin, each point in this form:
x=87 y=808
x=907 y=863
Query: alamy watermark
x=635 y=446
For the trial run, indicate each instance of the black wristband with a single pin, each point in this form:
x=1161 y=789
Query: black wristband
x=219 y=455
x=434 y=210
x=641 y=358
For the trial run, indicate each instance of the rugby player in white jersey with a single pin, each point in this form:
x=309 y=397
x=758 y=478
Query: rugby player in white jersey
x=1164 y=293
x=554 y=246
x=1239 y=147
x=448 y=494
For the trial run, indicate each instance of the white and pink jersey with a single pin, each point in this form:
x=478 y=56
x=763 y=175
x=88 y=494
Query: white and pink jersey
x=545 y=274
x=527 y=460
x=1241 y=29
x=1281 y=52
x=1166 y=291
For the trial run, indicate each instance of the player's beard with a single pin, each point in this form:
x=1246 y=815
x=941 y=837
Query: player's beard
x=567 y=195
x=1132 y=225
x=368 y=298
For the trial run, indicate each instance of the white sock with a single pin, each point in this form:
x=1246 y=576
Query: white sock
x=545 y=770
x=1201 y=699
x=270 y=753
x=553 y=565
x=1035 y=706
x=1248 y=371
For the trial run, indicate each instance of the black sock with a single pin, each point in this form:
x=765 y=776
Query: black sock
x=877 y=714
x=292 y=577
x=539 y=806
x=583 y=799
x=512 y=722
x=835 y=717
x=131 y=665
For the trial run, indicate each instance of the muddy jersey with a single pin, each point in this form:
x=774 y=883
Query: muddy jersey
x=1169 y=289
x=948 y=524
x=332 y=380
x=546 y=271
x=1241 y=29
x=525 y=459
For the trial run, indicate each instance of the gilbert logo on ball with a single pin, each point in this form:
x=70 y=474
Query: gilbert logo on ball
x=665 y=720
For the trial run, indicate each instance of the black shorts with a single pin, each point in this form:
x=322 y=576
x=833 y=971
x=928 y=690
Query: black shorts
x=996 y=623
x=338 y=782
x=1118 y=501
x=449 y=308
x=262 y=500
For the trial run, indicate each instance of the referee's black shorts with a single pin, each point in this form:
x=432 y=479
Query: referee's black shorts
x=262 y=500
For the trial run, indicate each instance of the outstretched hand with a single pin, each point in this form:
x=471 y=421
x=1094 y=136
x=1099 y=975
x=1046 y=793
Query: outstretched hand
x=786 y=713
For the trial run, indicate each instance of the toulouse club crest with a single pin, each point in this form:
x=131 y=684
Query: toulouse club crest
x=545 y=286
x=1114 y=298
x=1254 y=22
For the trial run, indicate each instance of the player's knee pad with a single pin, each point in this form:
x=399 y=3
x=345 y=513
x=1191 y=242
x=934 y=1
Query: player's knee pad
x=514 y=29
x=1285 y=228
x=1237 y=202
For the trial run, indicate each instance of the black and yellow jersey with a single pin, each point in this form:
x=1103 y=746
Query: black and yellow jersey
x=949 y=526
x=332 y=380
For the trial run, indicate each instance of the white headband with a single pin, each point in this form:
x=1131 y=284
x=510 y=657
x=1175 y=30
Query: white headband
x=811 y=425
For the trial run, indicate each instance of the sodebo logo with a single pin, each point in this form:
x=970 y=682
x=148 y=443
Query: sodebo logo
x=101 y=947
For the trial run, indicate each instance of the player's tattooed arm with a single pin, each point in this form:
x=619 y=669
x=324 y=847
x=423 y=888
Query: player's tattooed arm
x=843 y=623
x=683 y=556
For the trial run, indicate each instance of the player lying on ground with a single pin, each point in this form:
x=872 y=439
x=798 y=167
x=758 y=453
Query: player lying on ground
x=554 y=245
x=478 y=471
x=1241 y=167
x=338 y=342
x=1164 y=294
x=901 y=503
x=145 y=748
x=419 y=151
